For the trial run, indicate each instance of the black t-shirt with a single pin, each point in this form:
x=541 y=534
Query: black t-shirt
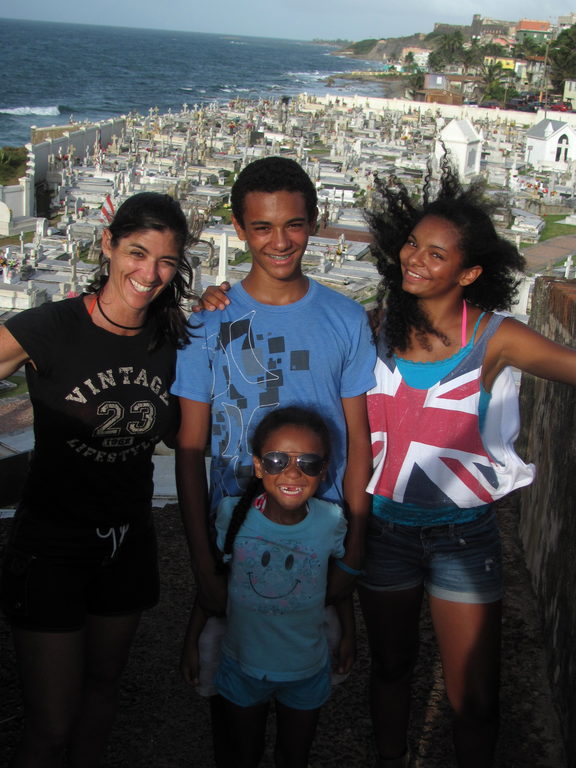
x=101 y=403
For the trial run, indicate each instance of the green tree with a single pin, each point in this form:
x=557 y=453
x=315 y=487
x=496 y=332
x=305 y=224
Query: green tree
x=415 y=83
x=448 y=50
x=562 y=59
x=528 y=48
x=12 y=164
x=363 y=46
x=472 y=57
x=495 y=83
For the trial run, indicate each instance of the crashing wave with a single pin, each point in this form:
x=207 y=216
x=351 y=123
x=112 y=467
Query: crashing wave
x=49 y=111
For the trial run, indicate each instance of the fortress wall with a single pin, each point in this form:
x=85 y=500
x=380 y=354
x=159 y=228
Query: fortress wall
x=548 y=508
x=456 y=111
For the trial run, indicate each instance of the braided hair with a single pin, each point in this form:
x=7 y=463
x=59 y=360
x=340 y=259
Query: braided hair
x=293 y=416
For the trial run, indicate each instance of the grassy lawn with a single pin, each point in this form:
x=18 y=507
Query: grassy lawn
x=553 y=229
x=224 y=211
x=12 y=164
x=241 y=259
x=15 y=239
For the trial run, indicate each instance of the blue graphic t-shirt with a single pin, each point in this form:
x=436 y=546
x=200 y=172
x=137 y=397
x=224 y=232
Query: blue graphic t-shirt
x=277 y=590
x=253 y=357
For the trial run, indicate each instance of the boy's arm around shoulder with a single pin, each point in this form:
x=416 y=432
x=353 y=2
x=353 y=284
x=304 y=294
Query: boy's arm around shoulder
x=214 y=297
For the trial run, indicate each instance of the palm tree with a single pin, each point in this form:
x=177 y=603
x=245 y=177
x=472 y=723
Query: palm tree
x=494 y=82
x=562 y=58
x=415 y=83
x=409 y=63
x=527 y=48
x=472 y=57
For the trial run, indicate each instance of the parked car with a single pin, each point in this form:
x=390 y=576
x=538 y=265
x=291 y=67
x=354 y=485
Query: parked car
x=560 y=106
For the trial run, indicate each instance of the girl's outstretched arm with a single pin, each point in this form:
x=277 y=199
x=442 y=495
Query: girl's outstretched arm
x=517 y=345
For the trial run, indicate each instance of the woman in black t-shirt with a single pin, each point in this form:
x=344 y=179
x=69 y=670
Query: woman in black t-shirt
x=81 y=562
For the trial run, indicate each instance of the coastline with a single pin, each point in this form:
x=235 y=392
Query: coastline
x=394 y=86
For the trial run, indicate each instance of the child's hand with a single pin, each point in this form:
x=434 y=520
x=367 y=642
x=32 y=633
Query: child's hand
x=345 y=654
x=214 y=297
x=189 y=660
x=340 y=585
x=190 y=657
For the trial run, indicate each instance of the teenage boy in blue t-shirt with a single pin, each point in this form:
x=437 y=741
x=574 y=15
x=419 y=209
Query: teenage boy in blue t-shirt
x=280 y=339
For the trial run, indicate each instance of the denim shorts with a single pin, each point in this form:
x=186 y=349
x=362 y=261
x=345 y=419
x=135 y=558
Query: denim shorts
x=457 y=562
x=246 y=691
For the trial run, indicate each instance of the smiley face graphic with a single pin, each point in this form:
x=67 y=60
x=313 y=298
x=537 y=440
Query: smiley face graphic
x=273 y=577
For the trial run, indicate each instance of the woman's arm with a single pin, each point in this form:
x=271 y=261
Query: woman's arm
x=517 y=345
x=192 y=487
x=12 y=355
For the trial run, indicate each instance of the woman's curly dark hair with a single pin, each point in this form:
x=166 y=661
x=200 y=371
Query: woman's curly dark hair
x=153 y=210
x=393 y=218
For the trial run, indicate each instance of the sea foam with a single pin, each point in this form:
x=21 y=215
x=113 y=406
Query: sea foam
x=30 y=110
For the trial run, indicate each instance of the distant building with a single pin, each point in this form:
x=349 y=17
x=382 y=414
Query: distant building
x=438 y=90
x=540 y=31
x=565 y=22
x=550 y=145
x=506 y=62
x=532 y=72
x=487 y=30
x=570 y=92
x=420 y=55
x=442 y=28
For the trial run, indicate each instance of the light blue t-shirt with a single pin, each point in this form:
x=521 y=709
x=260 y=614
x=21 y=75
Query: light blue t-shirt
x=254 y=357
x=277 y=590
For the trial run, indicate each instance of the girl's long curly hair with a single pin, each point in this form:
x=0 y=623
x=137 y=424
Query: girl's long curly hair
x=152 y=210
x=392 y=219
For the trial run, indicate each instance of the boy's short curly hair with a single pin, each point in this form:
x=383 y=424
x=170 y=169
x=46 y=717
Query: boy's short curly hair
x=273 y=174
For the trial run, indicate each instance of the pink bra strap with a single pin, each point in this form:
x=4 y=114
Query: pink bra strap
x=464 y=321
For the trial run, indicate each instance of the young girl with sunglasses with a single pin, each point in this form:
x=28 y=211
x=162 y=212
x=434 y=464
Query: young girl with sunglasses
x=277 y=542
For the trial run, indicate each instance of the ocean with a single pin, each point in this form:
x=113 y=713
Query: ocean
x=54 y=72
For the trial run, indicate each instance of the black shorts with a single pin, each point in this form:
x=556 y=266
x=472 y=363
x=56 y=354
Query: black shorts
x=53 y=575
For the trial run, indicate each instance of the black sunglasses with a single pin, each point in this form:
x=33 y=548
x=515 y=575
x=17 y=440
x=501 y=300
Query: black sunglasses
x=275 y=462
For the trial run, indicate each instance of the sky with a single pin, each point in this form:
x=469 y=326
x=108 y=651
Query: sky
x=291 y=19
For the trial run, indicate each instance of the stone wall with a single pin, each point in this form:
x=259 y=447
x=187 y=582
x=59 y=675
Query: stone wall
x=548 y=507
x=81 y=138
